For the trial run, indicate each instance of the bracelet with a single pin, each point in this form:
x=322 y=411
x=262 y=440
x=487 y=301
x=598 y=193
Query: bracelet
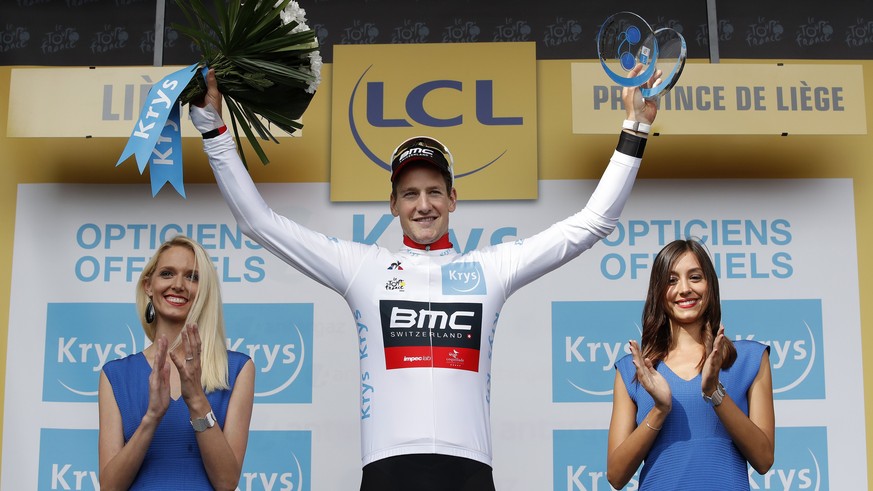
x=631 y=144
x=213 y=133
x=636 y=126
x=652 y=427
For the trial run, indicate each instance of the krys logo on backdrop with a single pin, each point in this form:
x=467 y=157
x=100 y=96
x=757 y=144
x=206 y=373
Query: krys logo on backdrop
x=481 y=104
x=589 y=337
x=275 y=460
x=82 y=337
x=801 y=462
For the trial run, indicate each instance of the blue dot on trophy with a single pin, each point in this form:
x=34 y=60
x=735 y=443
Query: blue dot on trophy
x=625 y=40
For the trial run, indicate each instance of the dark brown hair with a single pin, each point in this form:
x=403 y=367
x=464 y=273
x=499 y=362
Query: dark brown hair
x=657 y=334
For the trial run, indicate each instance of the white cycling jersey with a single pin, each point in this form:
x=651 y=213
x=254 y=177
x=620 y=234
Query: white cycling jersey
x=425 y=318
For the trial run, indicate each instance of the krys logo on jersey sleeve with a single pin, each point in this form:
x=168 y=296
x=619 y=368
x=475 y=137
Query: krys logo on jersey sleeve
x=427 y=334
x=80 y=338
x=278 y=338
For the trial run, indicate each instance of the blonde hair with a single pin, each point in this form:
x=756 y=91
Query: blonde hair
x=206 y=312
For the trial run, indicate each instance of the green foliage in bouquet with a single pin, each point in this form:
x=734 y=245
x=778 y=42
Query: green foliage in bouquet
x=266 y=62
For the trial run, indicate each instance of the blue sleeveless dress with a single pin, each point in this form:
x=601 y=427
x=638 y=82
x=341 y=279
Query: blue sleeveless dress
x=173 y=459
x=693 y=450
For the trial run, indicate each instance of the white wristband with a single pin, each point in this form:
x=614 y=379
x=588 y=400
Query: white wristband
x=205 y=118
x=636 y=126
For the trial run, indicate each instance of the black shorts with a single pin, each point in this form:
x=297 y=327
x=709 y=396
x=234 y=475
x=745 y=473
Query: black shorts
x=427 y=472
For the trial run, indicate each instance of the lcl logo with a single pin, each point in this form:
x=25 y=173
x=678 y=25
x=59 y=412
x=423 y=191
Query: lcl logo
x=376 y=92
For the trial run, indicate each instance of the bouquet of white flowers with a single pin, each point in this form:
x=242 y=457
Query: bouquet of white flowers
x=266 y=62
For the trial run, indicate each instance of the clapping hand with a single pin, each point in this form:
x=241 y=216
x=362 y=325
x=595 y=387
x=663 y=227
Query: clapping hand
x=712 y=365
x=651 y=380
x=159 y=381
x=189 y=364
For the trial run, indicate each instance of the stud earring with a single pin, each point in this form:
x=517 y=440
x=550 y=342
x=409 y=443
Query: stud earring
x=149 y=312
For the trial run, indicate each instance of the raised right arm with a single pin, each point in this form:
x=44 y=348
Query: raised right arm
x=326 y=260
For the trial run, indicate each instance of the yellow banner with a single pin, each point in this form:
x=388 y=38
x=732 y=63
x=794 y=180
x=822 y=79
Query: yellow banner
x=478 y=99
x=84 y=102
x=723 y=99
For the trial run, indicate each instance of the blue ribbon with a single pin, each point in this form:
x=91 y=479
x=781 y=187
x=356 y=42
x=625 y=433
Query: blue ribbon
x=157 y=138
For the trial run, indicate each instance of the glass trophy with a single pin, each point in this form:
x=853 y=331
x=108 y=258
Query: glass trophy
x=671 y=60
x=625 y=39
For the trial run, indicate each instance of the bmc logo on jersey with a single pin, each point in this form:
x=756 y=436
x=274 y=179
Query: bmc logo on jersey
x=278 y=338
x=463 y=279
x=801 y=461
x=587 y=339
x=428 y=334
x=68 y=459
x=277 y=461
x=579 y=461
x=793 y=330
x=80 y=338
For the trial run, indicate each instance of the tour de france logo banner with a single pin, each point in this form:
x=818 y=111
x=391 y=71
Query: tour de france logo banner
x=267 y=66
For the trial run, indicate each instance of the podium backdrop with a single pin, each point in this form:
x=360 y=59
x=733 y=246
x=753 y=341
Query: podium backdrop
x=79 y=250
x=786 y=218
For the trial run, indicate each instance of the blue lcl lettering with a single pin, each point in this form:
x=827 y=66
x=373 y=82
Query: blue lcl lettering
x=415 y=107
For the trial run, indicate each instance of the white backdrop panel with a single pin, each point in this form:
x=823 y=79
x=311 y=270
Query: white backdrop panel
x=780 y=246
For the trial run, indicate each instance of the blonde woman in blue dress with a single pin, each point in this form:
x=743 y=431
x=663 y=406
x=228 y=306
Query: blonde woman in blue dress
x=177 y=414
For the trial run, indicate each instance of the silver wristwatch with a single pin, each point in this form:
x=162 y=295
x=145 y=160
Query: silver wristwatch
x=203 y=424
x=716 y=397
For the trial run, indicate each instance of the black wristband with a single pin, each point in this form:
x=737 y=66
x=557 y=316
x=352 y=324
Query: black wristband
x=631 y=144
x=213 y=133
